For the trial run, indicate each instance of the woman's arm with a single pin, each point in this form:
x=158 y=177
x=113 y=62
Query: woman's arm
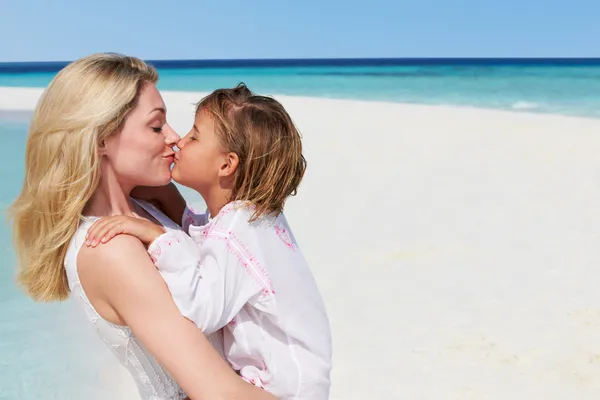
x=120 y=276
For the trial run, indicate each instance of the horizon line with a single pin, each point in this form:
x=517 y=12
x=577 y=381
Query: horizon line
x=263 y=59
x=55 y=66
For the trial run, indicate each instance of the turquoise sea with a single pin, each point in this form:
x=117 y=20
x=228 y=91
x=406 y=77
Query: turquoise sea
x=39 y=343
x=560 y=86
x=45 y=353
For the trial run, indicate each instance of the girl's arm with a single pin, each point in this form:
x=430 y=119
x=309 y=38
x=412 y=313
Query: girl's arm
x=211 y=285
x=122 y=283
x=209 y=290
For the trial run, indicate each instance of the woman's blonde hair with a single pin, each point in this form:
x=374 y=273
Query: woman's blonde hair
x=268 y=144
x=85 y=103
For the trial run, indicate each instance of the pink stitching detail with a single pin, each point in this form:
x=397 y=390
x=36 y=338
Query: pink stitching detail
x=192 y=218
x=228 y=237
x=254 y=381
x=189 y=221
x=253 y=261
x=226 y=210
x=155 y=252
x=285 y=236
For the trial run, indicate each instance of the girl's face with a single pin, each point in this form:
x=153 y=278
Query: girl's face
x=201 y=160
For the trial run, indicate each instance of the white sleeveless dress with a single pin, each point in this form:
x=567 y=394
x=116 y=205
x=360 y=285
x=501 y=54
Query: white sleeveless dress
x=153 y=382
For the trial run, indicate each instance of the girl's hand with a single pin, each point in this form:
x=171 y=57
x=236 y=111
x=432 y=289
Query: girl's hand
x=107 y=228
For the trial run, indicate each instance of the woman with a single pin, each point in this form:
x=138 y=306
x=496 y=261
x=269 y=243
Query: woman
x=98 y=131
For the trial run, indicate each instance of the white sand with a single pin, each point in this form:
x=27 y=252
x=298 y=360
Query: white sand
x=457 y=249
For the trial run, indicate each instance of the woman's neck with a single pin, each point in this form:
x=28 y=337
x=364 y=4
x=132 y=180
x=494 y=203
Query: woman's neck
x=110 y=197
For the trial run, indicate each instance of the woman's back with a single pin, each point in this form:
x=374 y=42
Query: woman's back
x=153 y=382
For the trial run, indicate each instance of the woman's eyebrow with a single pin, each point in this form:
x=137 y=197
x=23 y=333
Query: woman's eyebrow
x=162 y=110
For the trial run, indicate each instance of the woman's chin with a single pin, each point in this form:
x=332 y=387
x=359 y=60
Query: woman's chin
x=161 y=178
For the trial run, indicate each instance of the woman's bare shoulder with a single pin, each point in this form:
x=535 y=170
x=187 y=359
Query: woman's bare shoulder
x=112 y=272
x=110 y=258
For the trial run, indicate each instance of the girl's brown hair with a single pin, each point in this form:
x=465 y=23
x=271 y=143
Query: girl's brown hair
x=268 y=144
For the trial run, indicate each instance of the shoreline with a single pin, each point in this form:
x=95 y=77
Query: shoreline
x=25 y=98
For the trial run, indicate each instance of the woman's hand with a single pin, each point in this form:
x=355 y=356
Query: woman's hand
x=107 y=228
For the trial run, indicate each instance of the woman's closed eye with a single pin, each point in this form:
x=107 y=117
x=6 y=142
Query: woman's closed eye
x=157 y=129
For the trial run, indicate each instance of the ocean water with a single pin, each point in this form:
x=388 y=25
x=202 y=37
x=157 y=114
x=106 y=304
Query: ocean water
x=559 y=86
x=46 y=350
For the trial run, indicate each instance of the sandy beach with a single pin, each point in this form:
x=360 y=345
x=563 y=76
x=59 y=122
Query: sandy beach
x=456 y=248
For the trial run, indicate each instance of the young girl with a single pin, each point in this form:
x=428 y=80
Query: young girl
x=249 y=277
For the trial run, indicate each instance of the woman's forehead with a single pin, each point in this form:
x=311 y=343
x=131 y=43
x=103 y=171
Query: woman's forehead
x=150 y=100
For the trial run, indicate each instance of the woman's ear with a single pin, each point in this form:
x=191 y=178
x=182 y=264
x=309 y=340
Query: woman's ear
x=102 y=148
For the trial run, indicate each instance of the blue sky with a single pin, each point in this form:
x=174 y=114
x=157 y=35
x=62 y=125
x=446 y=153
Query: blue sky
x=67 y=29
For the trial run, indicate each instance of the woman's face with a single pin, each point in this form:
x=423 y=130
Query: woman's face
x=141 y=154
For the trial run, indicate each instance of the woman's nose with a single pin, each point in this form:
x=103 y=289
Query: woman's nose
x=171 y=137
